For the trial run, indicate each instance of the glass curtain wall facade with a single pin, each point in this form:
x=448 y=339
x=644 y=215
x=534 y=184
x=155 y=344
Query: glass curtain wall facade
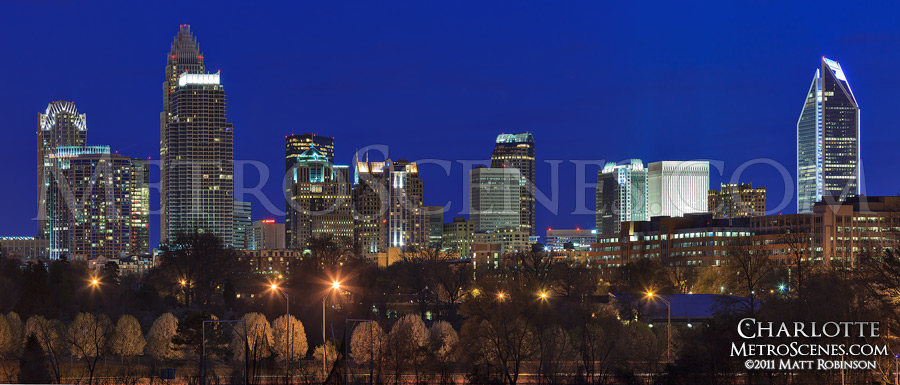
x=828 y=156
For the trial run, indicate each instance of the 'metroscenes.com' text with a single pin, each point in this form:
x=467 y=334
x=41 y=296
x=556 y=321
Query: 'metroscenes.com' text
x=809 y=345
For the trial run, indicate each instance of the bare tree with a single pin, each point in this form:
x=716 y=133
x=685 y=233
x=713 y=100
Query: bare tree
x=257 y=341
x=51 y=336
x=748 y=268
x=800 y=259
x=289 y=338
x=368 y=345
x=88 y=335
x=406 y=341
x=128 y=340
x=443 y=342
x=159 y=338
x=323 y=352
x=17 y=332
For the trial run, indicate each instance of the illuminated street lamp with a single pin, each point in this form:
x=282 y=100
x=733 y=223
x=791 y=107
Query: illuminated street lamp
x=668 y=324
x=335 y=286
x=289 y=329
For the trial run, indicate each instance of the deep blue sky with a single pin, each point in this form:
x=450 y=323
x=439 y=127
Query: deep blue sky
x=591 y=80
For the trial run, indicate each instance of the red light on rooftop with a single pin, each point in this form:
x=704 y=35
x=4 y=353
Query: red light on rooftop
x=578 y=229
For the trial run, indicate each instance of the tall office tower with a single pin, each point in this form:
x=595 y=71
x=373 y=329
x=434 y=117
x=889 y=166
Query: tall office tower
x=827 y=139
x=406 y=222
x=457 y=237
x=517 y=151
x=677 y=187
x=59 y=125
x=140 y=206
x=494 y=198
x=369 y=202
x=242 y=223
x=196 y=147
x=92 y=206
x=294 y=145
x=435 y=218
x=388 y=208
x=737 y=201
x=319 y=200
x=265 y=234
x=621 y=195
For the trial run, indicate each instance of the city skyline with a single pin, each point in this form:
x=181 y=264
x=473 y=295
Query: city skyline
x=473 y=137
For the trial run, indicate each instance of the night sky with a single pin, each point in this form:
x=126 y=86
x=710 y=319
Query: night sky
x=592 y=80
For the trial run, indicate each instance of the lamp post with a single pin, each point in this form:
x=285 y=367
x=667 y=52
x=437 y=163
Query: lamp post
x=335 y=286
x=668 y=324
x=289 y=329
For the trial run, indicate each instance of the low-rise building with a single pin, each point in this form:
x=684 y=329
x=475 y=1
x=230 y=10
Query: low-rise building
x=570 y=239
x=457 y=236
x=271 y=261
x=511 y=240
x=835 y=233
x=25 y=248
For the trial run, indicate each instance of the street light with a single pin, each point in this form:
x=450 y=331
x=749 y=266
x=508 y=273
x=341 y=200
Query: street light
x=668 y=324
x=544 y=295
x=501 y=296
x=289 y=328
x=335 y=286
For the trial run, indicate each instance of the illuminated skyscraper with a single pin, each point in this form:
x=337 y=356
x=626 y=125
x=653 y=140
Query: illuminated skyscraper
x=827 y=139
x=737 y=201
x=517 y=151
x=494 y=198
x=457 y=237
x=621 y=195
x=265 y=234
x=435 y=218
x=388 y=210
x=319 y=200
x=242 y=222
x=196 y=146
x=60 y=125
x=294 y=145
x=98 y=203
x=676 y=188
